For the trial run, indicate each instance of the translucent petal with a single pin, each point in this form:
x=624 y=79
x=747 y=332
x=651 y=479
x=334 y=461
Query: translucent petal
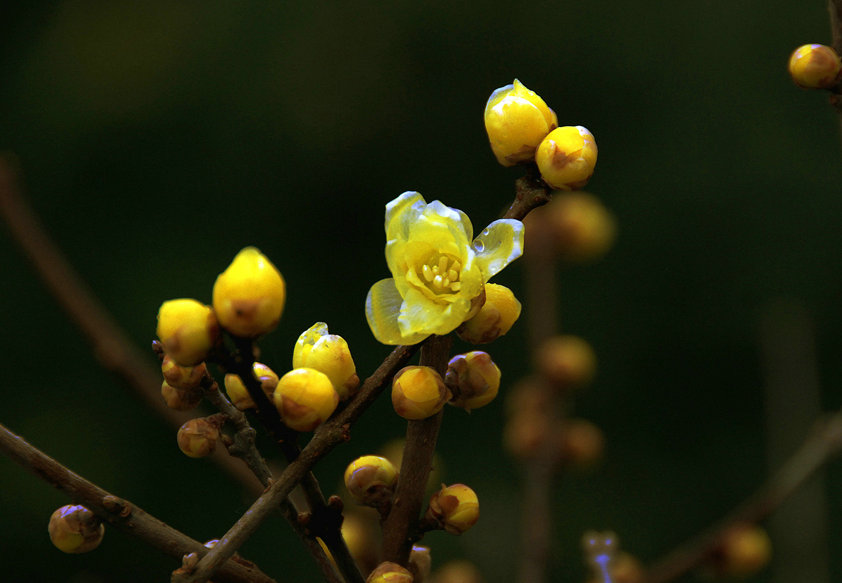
x=498 y=245
x=454 y=217
x=420 y=315
x=401 y=213
x=382 y=307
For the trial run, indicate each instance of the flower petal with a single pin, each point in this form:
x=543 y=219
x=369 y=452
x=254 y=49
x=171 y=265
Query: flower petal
x=498 y=245
x=401 y=213
x=421 y=315
x=382 y=307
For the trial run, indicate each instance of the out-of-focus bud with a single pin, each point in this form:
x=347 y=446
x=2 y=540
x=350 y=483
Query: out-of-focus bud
x=188 y=330
x=418 y=392
x=198 y=437
x=473 y=378
x=328 y=353
x=526 y=432
x=181 y=399
x=496 y=316
x=743 y=551
x=814 y=66
x=249 y=296
x=580 y=225
x=238 y=393
x=182 y=377
x=459 y=571
x=582 y=443
x=75 y=529
x=305 y=398
x=529 y=395
x=371 y=479
x=420 y=563
x=566 y=157
x=358 y=533
x=389 y=573
x=455 y=507
x=516 y=120
x=567 y=361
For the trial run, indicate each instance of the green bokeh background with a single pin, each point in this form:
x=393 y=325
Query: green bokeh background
x=159 y=138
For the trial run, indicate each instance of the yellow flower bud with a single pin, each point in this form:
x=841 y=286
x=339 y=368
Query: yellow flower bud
x=459 y=571
x=473 y=378
x=182 y=377
x=814 y=66
x=496 y=316
x=305 y=398
x=389 y=573
x=249 y=296
x=181 y=399
x=516 y=120
x=744 y=550
x=188 y=330
x=418 y=392
x=568 y=361
x=582 y=443
x=328 y=353
x=456 y=508
x=580 y=226
x=371 y=479
x=566 y=158
x=198 y=437
x=236 y=389
x=75 y=529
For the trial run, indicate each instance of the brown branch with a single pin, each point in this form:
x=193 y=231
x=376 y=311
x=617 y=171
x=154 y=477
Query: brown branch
x=530 y=192
x=118 y=512
x=335 y=431
x=820 y=446
x=110 y=344
x=400 y=525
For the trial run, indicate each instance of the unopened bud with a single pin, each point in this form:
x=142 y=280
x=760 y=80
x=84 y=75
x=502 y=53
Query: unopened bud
x=197 y=438
x=567 y=361
x=582 y=442
x=418 y=392
x=305 y=398
x=181 y=399
x=75 y=529
x=389 y=573
x=516 y=120
x=814 y=66
x=566 y=157
x=744 y=550
x=496 y=316
x=188 y=330
x=580 y=225
x=526 y=432
x=182 y=377
x=473 y=378
x=455 y=507
x=328 y=353
x=371 y=479
x=238 y=393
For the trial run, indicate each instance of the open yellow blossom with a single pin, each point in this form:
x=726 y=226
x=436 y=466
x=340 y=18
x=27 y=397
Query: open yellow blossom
x=438 y=268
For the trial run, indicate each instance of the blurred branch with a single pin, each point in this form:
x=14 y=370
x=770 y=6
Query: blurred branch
x=110 y=344
x=821 y=445
x=118 y=512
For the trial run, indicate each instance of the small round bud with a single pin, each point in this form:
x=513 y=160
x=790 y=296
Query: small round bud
x=473 y=378
x=516 y=120
x=188 y=330
x=370 y=479
x=566 y=158
x=237 y=391
x=328 y=353
x=459 y=571
x=455 y=507
x=75 y=529
x=181 y=399
x=580 y=226
x=182 y=377
x=305 y=398
x=744 y=550
x=249 y=296
x=568 y=361
x=420 y=563
x=418 y=392
x=198 y=437
x=389 y=573
x=814 y=66
x=496 y=316
x=582 y=443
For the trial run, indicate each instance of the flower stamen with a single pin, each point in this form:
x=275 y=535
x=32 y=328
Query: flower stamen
x=441 y=273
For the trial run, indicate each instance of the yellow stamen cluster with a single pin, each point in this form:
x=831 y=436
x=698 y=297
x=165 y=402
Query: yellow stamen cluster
x=441 y=274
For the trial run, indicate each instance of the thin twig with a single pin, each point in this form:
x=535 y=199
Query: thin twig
x=530 y=192
x=400 y=525
x=119 y=512
x=820 y=446
x=326 y=438
x=110 y=344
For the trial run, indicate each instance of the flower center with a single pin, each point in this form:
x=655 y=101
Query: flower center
x=441 y=273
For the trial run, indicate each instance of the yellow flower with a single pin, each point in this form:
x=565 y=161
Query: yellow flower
x=438 y=269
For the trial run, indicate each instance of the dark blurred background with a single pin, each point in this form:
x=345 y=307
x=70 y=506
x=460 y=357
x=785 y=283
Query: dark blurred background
x=158 y=138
